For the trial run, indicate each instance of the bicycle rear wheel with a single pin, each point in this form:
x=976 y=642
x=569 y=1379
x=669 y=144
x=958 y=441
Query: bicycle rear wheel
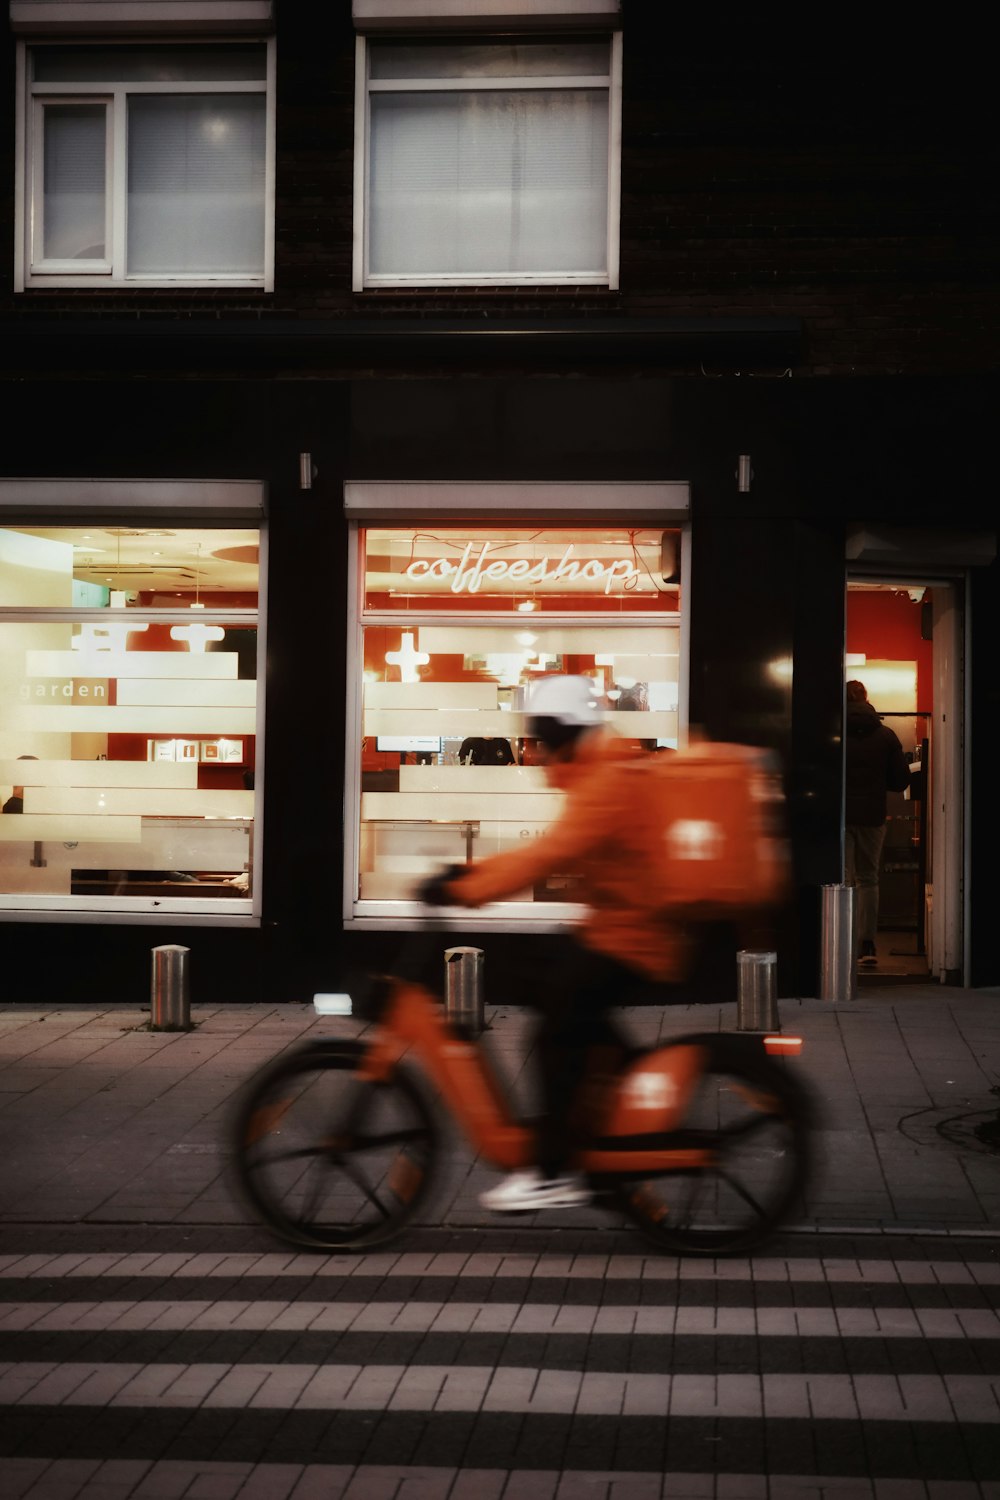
x=756 y=1121
x=329 y=1159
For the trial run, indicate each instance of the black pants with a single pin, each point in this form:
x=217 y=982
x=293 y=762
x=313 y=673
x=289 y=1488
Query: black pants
x=575 y=1000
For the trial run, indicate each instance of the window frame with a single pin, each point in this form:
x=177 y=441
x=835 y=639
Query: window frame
x=187 y=505
x=360 y=914
x=112 y=273
x=364 y=87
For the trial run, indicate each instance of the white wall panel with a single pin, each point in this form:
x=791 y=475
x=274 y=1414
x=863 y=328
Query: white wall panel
x=634 y=726
x=236 y=693
x=437 y=722
x=69 y=828
x=644 y=726
x=98 y=773
x=79 y=718
x=643 y=668
x=148 y=802
x=455 y=806
x=187 y=664
x=652 y=641
x=408 y=695
x=429 y=779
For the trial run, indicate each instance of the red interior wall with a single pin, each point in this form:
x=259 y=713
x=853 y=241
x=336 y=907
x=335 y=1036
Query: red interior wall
x=886 y=626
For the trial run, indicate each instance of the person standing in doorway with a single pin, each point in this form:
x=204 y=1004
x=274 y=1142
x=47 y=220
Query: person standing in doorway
x=875 y=766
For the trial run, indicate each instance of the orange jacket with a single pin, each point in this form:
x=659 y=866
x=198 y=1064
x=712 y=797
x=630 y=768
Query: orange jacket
x=623 y=919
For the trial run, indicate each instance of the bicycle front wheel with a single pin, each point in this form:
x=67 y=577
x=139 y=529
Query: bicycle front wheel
x=331 y=1160
x=754 y=1121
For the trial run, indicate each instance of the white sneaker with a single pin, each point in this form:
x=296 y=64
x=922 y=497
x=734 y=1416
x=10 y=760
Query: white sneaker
x=523 y=1191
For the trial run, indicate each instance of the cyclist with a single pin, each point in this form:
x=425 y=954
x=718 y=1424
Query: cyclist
x=626 y=939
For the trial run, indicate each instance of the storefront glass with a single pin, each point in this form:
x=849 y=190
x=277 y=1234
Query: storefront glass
x=128 y=716
x=446 y=773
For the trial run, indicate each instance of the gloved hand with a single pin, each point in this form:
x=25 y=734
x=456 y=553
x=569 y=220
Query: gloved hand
x=432 y=892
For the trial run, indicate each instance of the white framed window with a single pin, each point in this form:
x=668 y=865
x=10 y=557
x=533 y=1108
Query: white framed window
x=450 y=622
x=487 y=161
x=144 y=163
x=129 y=710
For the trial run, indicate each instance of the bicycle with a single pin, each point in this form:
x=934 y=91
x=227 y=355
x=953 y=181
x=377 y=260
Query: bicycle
x=703 y=1141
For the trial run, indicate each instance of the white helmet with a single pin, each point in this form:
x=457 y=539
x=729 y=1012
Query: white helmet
x=569 y=700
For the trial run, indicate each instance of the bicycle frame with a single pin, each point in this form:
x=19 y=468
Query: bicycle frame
x=702 y=1141
x=657 y=1086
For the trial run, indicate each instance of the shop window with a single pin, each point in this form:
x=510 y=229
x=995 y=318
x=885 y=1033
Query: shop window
x=146 y=164
x=128 y=718
x=456 y=622
x=487 y=161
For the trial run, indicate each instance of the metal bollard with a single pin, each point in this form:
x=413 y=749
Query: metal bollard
x=838 y=979
x=463 y=989
x=756 y=995
x=170 y=997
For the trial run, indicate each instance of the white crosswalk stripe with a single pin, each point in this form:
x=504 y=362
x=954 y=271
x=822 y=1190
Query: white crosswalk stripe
x=705 y=1370
x=502 y=1317
x=176 y=1479
x=471 y=1388
x=862 y=1272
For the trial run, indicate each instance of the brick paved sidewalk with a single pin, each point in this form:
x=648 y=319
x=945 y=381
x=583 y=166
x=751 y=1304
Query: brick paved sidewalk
x=104 y=1121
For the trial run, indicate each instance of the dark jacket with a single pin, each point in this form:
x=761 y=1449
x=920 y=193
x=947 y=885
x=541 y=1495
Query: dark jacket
x=875 y=765
x=487 y=751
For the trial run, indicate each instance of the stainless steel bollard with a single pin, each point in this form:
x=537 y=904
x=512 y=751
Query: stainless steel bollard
x=838 y=979
x=756 y=993
x=463 y=989
x=170 y=995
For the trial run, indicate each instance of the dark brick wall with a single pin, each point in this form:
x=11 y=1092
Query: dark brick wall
x=851 y=186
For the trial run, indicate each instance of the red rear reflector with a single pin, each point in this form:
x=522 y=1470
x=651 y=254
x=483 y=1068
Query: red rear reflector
x=782 y=1044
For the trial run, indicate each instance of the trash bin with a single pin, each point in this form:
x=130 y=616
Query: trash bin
x=463 y=989
x=170 y=995
x=838 y=978
x=756 y=991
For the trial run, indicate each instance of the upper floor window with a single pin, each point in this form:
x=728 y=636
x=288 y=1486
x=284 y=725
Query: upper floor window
x=487 y=161
x=146 y=164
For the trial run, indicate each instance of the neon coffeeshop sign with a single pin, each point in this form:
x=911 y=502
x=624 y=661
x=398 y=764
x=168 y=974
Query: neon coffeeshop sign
x=472 y=571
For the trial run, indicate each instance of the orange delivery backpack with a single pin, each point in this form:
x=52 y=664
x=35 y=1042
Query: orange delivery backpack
x=712 y=836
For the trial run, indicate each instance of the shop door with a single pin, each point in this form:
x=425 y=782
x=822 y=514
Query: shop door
x=904 y=642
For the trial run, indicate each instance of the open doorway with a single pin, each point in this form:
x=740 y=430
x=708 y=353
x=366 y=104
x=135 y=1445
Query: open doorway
x=904 y=642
